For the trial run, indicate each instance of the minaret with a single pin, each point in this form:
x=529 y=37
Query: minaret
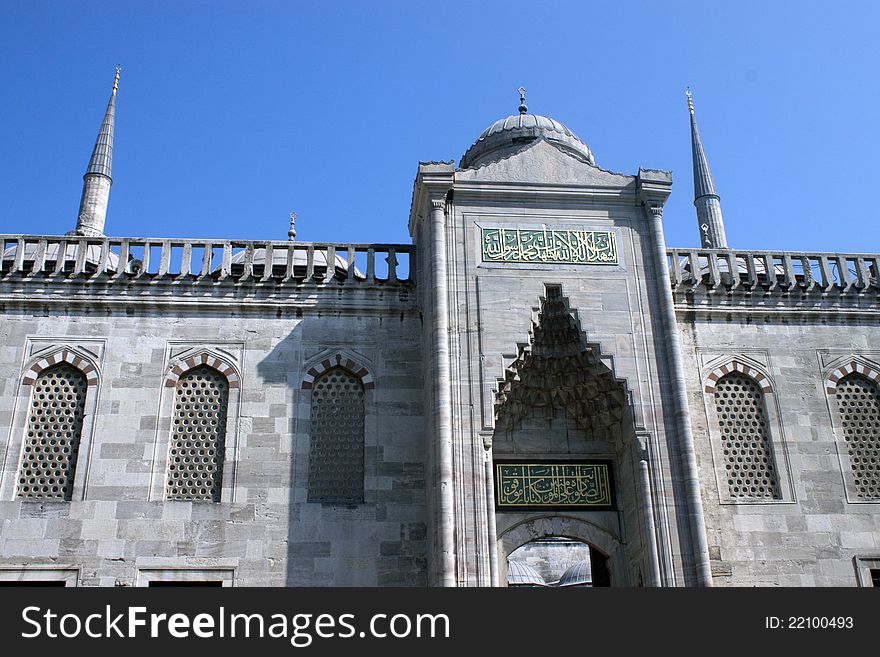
x=97 y=180
x=706 y=201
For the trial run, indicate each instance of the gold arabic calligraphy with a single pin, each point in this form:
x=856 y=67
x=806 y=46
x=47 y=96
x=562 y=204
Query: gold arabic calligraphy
x=535 y=484
x=548 y=246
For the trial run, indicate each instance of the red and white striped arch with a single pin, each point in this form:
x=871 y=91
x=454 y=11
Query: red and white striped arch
x=62 y=356
x=736 y=366
x=853 y=366
x=182 y=366
x=338 y=360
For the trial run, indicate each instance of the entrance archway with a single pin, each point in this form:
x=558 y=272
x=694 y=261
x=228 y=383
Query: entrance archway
x=600 y=547
x=563 y=446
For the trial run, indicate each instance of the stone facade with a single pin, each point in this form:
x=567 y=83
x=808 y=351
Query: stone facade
x=537 y=318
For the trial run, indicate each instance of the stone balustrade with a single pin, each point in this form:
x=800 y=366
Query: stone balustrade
x=773 y=270
x=209 y=261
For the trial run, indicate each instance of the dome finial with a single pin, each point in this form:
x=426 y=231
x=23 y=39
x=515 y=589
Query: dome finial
x=690 y=100
x=291 y=234
x=522 y=100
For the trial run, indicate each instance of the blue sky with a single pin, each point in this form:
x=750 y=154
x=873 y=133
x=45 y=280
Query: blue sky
x=231 y=114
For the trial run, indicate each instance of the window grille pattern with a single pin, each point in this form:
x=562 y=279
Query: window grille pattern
x=748 y=454
x=55 y=422
x=198 y=436
x=336 y=452
x=859 y=404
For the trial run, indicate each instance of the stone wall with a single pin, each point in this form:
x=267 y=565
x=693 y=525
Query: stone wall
x=817 y=532
x=118 y=530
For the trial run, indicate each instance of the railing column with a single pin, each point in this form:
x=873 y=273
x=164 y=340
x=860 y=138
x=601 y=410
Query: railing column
x=752 y=270
x=226 y=262
x=122 y=263
x=186 y=260
x=864 y=276
x=788 y=278
x=104 y=259
x=40 y=257
x=268 y=262
x=18 y=262
x=145 y=262
x=207 y=257
x=60 y=257
x=675 y=268
x=330 y=255
x=164 y=259
x=82 y=248
x=371 y=265
x=350 y=272
x=825 y=271
x=392 y=265
x=291 y=262
x=310 y=263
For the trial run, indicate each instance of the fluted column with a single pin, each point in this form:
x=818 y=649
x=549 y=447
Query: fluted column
x=680 y=411
x=442 y=411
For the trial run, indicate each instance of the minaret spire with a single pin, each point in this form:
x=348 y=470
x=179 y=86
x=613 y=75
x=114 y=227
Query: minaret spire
x=98 y=176
x=706 y=201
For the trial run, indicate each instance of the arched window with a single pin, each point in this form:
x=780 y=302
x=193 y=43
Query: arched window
x=51 y=444
x=748 y=454
x=858 y=400
x=336 y=451
x=198 y=436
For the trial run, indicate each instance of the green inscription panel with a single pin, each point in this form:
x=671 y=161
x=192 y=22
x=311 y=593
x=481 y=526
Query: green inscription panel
x=529 y=486
x=550 y=247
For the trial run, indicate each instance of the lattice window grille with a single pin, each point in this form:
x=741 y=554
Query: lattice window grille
x=748 y=454
x=198 y=436
x=336 y=451
x=858 y=400
x=55 y=422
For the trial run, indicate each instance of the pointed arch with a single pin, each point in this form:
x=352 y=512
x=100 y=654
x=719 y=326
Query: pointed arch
x=854 y=365
x=63 y=355
x=212 y=360
x=736 y=364
x=341 y=360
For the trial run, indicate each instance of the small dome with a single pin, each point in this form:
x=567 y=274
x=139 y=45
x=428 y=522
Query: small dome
x=279 y=257
x=521 y=129
x=521 y=574
x=580 y=574
x=300 y=259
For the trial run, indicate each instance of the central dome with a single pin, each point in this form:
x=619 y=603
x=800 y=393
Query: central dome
x=508 y=135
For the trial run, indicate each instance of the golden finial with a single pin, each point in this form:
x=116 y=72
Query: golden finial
x=690 y=100
x=116 y=80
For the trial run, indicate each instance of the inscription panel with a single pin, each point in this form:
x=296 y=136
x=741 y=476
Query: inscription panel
x=569 y=485
x=548 y=246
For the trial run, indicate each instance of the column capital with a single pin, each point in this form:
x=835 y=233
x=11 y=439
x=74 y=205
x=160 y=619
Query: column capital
x=655 y=210
x=438 y=204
